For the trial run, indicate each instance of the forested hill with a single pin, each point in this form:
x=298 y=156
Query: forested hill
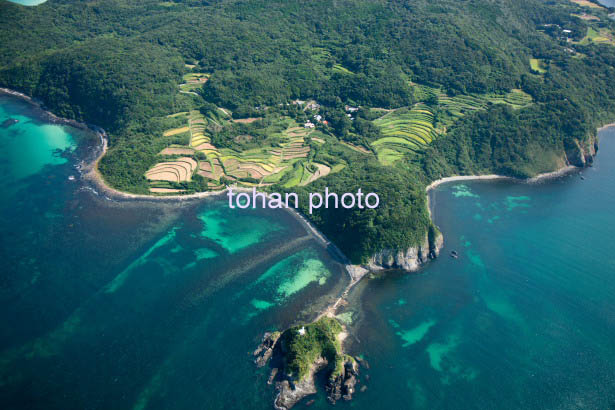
x=441 y=87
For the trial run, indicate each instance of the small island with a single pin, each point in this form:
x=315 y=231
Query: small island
x=299 y=353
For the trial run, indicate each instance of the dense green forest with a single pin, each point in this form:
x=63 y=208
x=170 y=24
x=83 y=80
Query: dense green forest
x=492 y=87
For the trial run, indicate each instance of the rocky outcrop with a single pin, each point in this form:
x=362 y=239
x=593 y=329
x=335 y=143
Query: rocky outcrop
x=8 y=122
x=343 y=385
x=409 y=259
x=581 y=154
x=291 y=392
x=264 y=351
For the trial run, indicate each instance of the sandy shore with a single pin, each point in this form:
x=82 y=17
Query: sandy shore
x=538 y=178
x=604 y=127
x=463 y=178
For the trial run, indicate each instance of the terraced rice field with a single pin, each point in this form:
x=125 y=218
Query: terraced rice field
x=355 y=147
x=263 y=163
x=266 y=165
x=321 y=171
x=176 y=151
x=338 y=68
x=460 y=105
x=179 y=170
x=409 y=131
x=247 y=120
x=211 y=169
x=586 y=3
x=197 y=125
x=404 y=131
x=193 y=81
x=175 y=131
x=587 y=17
x=515 y=98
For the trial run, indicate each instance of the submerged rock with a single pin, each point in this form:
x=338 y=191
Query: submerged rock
x=8 y=122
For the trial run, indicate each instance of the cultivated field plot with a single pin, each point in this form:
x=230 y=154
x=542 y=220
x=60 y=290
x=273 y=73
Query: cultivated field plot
x=405 y=131
x=193 y=81
x=587 y=3
x=410 y=130
x=197 y=123
x=604 y=36
x=516 y=99
x=459 y=105
x=176 y=151
x=587 y=17
x=538 y=65
x=338 y=68
x=268 y=165
x=179 y=170
x=259 y=166
x=163 y=174
x=176 y=131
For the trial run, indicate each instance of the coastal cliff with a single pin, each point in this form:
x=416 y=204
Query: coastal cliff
x=411 y=258
x=581 y=154
x=576 y=154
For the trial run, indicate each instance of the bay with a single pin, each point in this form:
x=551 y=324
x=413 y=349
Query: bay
x=140 y=304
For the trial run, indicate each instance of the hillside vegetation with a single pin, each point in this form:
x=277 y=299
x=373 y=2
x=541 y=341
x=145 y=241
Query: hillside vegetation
x=199 y=94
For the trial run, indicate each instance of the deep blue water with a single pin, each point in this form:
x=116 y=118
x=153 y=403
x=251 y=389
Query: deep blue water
x=137 y=304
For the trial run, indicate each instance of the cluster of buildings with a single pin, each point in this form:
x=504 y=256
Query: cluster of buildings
x=564 y=31
x=317 y=118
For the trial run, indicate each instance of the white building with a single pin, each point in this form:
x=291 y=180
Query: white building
x=309 y=125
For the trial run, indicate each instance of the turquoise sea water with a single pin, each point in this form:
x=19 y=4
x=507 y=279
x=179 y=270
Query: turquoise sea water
x=158 y=305
x=28 y=2
x=524 y=319
x=105 y=303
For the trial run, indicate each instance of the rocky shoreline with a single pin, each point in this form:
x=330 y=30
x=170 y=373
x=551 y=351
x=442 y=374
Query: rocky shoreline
x=275 y=350
x=410 y=259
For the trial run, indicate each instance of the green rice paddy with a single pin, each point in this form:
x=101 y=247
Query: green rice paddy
x=409 y=130
x=404 y=131
x=538 y=65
